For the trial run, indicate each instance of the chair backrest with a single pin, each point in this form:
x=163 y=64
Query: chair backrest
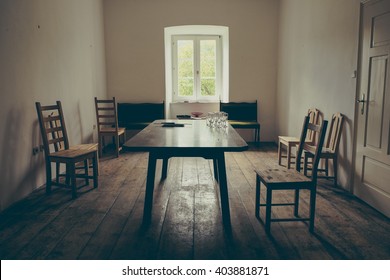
x=240 y=111
x=106 y=114
x=52 y=126
x=313 y=115
x=320 y=129
x=334 y=134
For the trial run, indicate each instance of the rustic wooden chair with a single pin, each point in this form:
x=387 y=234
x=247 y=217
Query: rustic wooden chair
x=58 y=150
x=288 y=142
x=330 y=149
x=58 y=146
x=289 y=179
x=107 y=123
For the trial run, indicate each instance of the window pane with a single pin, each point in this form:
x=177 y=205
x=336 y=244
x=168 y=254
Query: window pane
x=186 y=87
x=185 y=65
x=208 y=87
x=208 y=63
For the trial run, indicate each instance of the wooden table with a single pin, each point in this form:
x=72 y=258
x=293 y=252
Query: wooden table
x=194 y=139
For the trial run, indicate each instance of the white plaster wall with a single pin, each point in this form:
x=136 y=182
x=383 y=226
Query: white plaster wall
x=49 y=50
x=318 y=46
x=134 y=32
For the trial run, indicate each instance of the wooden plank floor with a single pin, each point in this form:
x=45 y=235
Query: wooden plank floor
x=105 y=223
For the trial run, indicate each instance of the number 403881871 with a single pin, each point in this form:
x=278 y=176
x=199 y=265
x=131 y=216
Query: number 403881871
x=231 y=270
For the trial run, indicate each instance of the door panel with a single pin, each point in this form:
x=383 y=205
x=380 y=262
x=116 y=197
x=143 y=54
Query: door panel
x=375 y=103
x=372 y=165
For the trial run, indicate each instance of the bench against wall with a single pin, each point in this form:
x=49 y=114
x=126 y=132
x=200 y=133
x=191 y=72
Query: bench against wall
x=242 y=115
x=139 y=115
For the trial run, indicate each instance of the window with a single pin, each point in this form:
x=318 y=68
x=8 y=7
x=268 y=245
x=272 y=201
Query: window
x=196 y=67
x=222 y=85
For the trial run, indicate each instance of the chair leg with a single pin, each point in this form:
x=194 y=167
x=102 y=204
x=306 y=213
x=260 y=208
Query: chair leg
x=95 y=167
x=305 y=163
x=268 y=210
x=280 y=153
x=257 y=135
x=72 y=170
x=335 y=170
x=58 y=172
x=86 y=172
x=48 y=177
x=313 y=193
x=67 y=174
x=117 y=145
x=296 y=203
x=257 y=202
x=327 y=167
x=288 y=156
x=97 y=162
x=100 y=148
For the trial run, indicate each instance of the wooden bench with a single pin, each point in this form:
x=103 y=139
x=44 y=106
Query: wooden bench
x=139 y=115
x=242 y=115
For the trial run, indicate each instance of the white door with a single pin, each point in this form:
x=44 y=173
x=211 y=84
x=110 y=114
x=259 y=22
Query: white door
x=372 y=166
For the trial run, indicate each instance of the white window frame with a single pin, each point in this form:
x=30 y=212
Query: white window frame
x=197 y=97
x=169 y=32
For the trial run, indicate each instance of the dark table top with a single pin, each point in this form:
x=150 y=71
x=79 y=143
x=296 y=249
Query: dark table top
x=194 y=135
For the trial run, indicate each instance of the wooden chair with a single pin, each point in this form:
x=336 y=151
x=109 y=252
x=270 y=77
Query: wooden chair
x=58 y=150
x=289 y=142
x=330 y=149
x=58 y=146
x=289 y=179
x=107 y=123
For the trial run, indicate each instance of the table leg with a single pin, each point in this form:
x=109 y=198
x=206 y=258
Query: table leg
x=215 y=165
x=148 y=204
x=223 y=189
x=164 y=170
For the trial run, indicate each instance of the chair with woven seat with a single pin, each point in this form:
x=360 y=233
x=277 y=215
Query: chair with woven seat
x=289 y=142
x=277 y=179
x=107 y=123
x=330 y=149
x=57 y=150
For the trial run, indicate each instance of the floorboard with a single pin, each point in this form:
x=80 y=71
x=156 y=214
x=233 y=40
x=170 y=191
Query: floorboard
x=106 y=223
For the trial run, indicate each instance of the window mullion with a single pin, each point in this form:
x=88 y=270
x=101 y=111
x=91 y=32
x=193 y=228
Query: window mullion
x=197 y=67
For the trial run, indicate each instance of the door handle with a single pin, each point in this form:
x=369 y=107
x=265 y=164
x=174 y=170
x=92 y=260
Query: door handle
x=362 y=101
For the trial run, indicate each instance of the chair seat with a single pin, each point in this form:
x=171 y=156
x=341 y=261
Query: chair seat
x=111 y=130
x=91 y=146
x=288 y=139
x=72 y=154
x=325 y=153
x=282 y=177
